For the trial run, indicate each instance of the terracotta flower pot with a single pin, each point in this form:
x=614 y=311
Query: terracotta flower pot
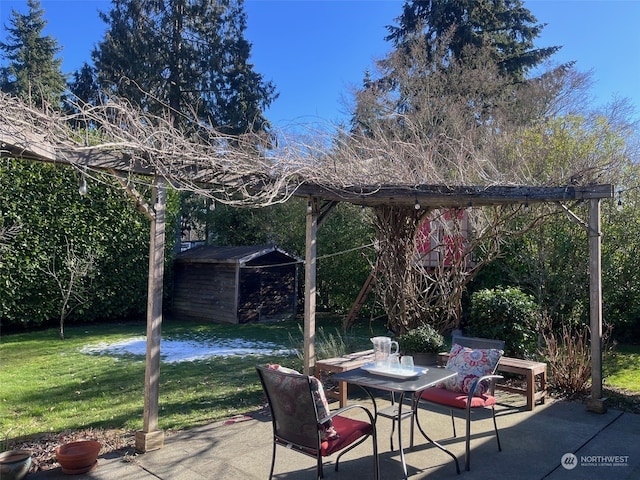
x=78 y=457
x=14 y=464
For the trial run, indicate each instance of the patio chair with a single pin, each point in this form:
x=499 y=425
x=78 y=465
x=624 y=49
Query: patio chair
x=302 y=421
x=475 y=360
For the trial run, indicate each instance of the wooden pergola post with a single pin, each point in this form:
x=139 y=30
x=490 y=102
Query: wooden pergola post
x=150 y=438
x=310 y=285
x=595 y=402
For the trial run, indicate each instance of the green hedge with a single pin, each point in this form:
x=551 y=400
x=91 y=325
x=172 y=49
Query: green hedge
x=43 y=200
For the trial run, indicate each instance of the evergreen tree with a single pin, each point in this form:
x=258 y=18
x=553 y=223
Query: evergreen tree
x=505 y=26
x=84 y=87
x=191 y=56
x=83 y=90
x=33 y=73
x=187 y=54
x=456 y=85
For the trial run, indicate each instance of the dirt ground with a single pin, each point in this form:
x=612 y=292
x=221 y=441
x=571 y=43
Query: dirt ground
x=43 y=446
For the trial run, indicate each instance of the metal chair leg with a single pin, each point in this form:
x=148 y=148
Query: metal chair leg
x=453 y=423
x=273 y=460
x=467 y=451
x=319 y=472
x=495 y=427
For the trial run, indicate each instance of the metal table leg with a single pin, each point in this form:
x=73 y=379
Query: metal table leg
x=415 y=404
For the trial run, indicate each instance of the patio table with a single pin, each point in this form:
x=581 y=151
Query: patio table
x=370 y=382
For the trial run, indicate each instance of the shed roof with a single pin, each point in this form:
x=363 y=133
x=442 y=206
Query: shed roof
x=235 y=255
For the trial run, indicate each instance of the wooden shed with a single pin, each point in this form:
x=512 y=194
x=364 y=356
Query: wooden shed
x=235 y=284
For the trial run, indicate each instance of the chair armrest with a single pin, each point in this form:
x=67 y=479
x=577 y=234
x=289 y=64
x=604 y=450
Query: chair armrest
x=478 y=381
x=348 y=407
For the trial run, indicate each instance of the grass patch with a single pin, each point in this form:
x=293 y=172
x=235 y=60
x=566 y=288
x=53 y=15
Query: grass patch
x=49 y=385
x=622 y=368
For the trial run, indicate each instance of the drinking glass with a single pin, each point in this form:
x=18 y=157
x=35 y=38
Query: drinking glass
x=394 y=362
x=407 y=362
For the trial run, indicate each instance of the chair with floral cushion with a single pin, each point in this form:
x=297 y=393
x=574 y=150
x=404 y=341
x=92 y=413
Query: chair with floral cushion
x=475 y=360
x=302 y=421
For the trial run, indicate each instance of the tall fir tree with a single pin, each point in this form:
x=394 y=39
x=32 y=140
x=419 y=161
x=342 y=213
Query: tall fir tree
x=32 y=71
x=506 y=27
x=84 y=87
x=190 y=55
x=188 y=58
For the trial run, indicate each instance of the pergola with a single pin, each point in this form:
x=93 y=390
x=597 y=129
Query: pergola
x=321 y=199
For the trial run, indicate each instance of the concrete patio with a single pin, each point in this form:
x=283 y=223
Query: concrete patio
x=534 y=442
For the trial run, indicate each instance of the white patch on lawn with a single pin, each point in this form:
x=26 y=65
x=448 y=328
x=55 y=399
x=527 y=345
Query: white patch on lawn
x=172 y=351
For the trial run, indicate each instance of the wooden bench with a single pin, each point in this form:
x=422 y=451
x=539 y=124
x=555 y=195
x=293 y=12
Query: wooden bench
x=530 y=370
x=328 y=366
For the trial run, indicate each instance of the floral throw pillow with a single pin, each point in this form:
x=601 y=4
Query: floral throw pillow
x=470 y=364
x=327 y=430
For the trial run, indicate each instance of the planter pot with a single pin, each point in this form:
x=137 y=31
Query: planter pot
x=78 y=457
x=425 y=359
x=14 y=464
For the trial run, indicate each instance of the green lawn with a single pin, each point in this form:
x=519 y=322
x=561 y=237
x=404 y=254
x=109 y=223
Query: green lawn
x=622 y=368
x=49 y=385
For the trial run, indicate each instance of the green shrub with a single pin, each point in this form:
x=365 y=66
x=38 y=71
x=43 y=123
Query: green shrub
x=423 y=339
x=505 y=314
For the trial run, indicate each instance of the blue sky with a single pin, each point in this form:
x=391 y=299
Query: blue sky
x=316 y=52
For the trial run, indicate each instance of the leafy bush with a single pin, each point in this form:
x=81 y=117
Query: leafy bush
x=505 y=314
x=423 y=339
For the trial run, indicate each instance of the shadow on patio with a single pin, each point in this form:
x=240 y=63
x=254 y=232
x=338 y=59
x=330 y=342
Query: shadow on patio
x=534 y=442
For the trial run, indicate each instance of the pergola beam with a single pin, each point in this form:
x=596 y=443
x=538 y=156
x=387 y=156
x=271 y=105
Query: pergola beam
x=310 y=257
x=150 y=437
x=442 y=196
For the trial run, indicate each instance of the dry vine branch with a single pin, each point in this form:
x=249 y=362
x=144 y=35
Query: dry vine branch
x=237 y=171
x=229 y=169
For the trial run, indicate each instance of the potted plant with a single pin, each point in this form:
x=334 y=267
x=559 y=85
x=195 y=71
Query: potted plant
x=423 y=343
x=14 y=464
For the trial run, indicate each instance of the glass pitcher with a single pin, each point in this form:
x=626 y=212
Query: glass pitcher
x=382 y=348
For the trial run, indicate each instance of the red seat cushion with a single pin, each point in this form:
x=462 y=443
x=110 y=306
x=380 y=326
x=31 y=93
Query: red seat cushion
x=452 y=399
x=349 y=430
